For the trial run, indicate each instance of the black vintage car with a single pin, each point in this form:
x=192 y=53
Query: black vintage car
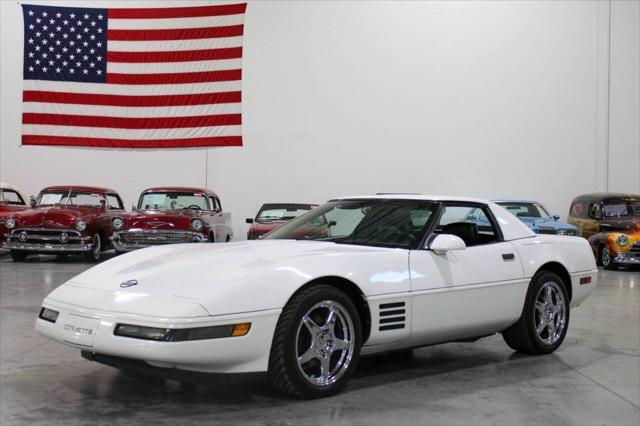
x=611 y=223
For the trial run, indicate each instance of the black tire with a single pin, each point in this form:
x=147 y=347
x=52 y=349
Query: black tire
x=18 y=256
x=284 y=374
x=96 y=250
x=523 y=336
x=605 y=259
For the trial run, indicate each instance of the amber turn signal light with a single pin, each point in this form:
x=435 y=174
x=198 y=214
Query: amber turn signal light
x=241 y=329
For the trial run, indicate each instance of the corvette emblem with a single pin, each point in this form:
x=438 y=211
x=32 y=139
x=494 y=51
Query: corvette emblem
x=129 y=283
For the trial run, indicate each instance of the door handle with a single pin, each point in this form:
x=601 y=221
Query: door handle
x=508 y=256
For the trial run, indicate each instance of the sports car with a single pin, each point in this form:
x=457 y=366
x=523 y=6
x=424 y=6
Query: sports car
x=355 y=276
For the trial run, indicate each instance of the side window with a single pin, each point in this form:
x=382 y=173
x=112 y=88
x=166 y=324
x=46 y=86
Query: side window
x=471 y=223
x=578 y=209
x=114 y=202
x=594 y=211
x=215 y=204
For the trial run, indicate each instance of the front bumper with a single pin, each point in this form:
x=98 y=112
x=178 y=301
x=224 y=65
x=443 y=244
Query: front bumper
x=627 y=258
x=43 y=240
x=93 y=331
x=124 y=241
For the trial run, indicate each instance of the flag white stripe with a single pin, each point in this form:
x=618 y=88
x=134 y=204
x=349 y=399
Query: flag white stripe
x=132 y=134
x=173 y=67
x=133 y=90
x=173 y=45
x=175 y=23
x=131 y=112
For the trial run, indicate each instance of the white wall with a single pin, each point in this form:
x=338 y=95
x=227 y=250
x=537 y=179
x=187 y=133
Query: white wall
x=492 y=99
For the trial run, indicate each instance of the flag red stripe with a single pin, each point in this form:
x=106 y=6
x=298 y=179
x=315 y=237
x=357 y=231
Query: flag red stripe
x=131 y=123
x=175 y=34
x=131 y=101
x=175 y=78
x=175 y=56
x=129 y=143
x=177 y=12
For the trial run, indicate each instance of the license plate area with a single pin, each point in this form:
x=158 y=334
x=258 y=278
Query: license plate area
x=79 y=330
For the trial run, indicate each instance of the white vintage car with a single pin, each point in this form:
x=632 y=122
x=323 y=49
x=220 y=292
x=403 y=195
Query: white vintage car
x=355 y=276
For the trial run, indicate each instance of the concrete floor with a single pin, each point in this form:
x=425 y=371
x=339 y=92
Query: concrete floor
x=594 y=378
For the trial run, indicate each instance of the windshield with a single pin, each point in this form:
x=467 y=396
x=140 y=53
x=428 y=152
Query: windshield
x=173 y=201
x=76 y=198
x=622 y=209
x=526 y=209
x=270 y=212
x=8 y=196
x=381 y=223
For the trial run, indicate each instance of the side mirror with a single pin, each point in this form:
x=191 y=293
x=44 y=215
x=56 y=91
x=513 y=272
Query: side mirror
x=32 y=201
x=249 y=220
x=445 y=242
x=556 y=217
x=133 y=207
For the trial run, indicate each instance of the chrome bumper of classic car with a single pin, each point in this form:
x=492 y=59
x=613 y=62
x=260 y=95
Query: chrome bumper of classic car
x=137 y=239
x=47 y=240
x=627 y=258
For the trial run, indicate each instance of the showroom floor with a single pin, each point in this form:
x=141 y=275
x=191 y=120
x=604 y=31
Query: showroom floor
x=593 y=379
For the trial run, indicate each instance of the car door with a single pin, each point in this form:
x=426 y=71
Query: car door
x=465 y=293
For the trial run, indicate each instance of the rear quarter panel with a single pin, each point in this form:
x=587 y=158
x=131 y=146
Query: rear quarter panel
x=573 y=253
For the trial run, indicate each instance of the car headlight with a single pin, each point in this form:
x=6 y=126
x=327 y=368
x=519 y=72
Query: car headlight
x=117 y=223
x=81 y=225
x=182 y=334
x=10 y=223
x=561 y=232
x=622 y=240
x=197 y=224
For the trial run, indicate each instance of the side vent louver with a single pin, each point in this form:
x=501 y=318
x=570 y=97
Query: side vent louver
x=392 y=316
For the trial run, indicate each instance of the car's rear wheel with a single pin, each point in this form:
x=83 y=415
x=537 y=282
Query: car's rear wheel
x=316 y=344
x=96 y=250
x=545 y=318
x=18 y=256
x=605 y=258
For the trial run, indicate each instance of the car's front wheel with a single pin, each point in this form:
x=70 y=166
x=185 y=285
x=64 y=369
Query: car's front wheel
x=545 y=317
x=605 y=258
x=96 y=250
x=316 y=344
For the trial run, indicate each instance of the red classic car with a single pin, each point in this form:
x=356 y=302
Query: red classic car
x=172 y=215
x=273 y=215
x=11 y=201
x=64 y=220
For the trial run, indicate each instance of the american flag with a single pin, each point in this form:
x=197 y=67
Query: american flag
x=132 y=78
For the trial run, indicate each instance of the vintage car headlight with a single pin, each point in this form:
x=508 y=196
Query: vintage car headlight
x=622 y=240
x=197 y=224
x=117 y=223
x=10 y=223
x=81 y=225
x=182 y=334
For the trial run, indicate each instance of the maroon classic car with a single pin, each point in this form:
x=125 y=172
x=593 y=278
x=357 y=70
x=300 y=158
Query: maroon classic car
x=11 y=201
x=273 y=215
x=64 y=220
x=172 y=215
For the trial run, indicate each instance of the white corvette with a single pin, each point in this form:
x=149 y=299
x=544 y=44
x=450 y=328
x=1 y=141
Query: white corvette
x=357 y=275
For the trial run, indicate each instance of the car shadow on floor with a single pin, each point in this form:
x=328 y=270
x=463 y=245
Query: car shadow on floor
x=444 y=371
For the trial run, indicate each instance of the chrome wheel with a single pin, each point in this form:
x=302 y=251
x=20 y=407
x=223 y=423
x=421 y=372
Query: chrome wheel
x=550 y=313
x=325 y=343
x=605 y=257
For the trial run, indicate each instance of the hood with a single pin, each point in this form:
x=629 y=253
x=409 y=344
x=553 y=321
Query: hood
x=54 y=217
x=630 y=225
x=7 y=209
x=164 y=220
x=264 y=227
x=219 y=277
